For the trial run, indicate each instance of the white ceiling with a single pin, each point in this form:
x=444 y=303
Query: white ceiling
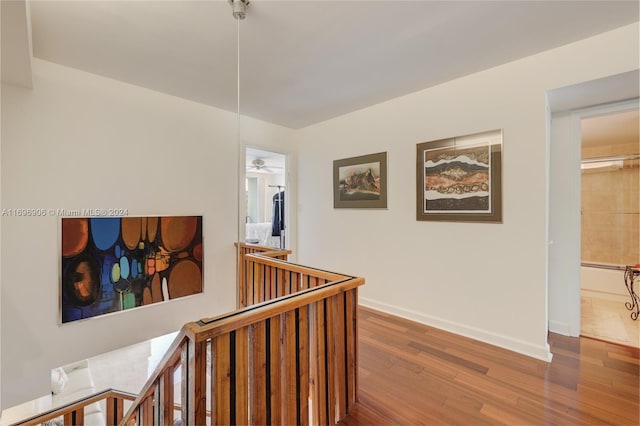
x=273 y=161
x=302 y=62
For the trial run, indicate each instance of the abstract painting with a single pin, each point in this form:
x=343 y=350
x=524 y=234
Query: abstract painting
x=113 y=264
x=459 y=179
x=360 y=182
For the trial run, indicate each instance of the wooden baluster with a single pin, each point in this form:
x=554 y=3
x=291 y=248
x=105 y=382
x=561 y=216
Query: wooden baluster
x=351 y=305
x=267 y=282
x=311 y=281
x=115 y=410
x=294 y=280
x=239 y=275
x=251 y=284
x=303 y=361
x=330 y=350
x=281 y=289
x=147 y=411
x=258 y=287
x=288 y=372
x=273 y=283
x=275 y=356
x=75 y=417
x=221 y=380
x=242 y=375
x=340 y=356
x=318 y=363
x=258 y=390
x=184 y=368
x=167 y=396
x=197 y=376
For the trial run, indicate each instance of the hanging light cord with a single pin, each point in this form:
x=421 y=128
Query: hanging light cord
x=239 y=145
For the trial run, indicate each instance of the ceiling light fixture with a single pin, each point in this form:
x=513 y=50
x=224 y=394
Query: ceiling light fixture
x=239 y=8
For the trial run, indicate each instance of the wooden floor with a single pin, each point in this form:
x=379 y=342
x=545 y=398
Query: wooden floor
x=608 y=320
x=411 y=374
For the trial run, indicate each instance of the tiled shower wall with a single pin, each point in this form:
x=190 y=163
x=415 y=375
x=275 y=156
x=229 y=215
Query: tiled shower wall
x=611 y=208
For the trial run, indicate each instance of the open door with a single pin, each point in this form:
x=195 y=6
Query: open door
x=266 y=219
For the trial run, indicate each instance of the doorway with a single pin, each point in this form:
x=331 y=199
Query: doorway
x=610 y=224
x=567 y=106
x=266 y=217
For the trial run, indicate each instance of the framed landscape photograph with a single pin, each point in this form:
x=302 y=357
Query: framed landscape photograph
x=360 y=182
x=460 y=179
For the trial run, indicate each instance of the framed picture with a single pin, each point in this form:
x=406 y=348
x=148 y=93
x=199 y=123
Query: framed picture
x=360 y=182
x=114 y=264
x=460 y=179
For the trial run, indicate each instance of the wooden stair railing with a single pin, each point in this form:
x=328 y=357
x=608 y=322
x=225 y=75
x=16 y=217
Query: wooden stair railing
x=288 y=358
x=73 y=413
x=243 y=296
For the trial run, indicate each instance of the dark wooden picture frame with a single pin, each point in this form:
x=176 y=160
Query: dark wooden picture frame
x=360 y=182
x=460 y=179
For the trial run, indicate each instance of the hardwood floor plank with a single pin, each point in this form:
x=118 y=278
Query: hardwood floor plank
x=506 y=415
x=624 y=357
x=412 y=374
x=450 y=358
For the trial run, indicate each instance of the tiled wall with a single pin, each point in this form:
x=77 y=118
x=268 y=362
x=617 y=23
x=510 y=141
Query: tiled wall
x=611 y=209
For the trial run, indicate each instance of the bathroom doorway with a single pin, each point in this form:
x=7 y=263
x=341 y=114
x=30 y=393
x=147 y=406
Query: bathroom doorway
x=266 y=218
x=610 y=224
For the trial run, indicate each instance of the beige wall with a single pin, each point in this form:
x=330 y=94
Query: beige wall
x=611 y=208
x=486 y=281
x=78 y=140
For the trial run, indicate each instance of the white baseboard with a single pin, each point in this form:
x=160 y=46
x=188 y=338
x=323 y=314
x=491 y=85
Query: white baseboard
x=559 y=327
x=539 y=352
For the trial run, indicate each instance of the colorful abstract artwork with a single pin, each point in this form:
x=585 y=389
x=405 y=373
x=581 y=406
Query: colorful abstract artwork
x=360 y=182
x=459 y=178
x=112 y=264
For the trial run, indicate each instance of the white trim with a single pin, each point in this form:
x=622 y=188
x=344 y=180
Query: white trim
x=577 y=115
x=569 y=292
x=559 y=327
x=539 y=352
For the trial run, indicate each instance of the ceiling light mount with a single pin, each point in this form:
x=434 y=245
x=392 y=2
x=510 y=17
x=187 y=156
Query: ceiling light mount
x=239 y=8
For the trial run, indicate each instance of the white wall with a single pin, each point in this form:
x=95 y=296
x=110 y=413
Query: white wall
x=77 y=141
x=487 y=281
x=564 y=226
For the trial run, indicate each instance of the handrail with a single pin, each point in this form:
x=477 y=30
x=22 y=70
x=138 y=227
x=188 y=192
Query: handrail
x=210 y=328
x=289 y=357
x=265 y=259
x=73 y=410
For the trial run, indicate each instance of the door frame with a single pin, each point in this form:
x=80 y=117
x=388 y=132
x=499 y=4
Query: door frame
x=564 y=241
x=291 y=202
